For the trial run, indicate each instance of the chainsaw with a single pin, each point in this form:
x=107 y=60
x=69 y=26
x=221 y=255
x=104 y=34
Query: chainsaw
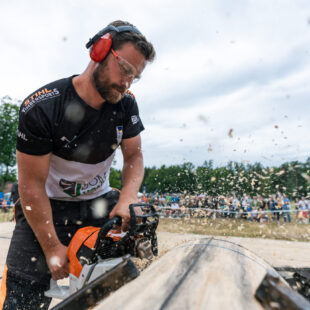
x=99 y=258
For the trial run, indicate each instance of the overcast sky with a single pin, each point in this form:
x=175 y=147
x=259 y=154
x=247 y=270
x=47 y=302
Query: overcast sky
x=231 y=80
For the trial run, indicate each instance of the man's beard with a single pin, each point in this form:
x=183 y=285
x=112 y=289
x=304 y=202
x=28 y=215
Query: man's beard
x=108 y=91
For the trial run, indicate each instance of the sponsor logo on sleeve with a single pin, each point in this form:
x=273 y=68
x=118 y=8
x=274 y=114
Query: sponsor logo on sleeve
x=22 y=135
x=134 y=119
x=40 y=95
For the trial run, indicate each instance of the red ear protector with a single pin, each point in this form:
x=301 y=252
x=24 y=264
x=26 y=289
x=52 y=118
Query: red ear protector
x=101 y=43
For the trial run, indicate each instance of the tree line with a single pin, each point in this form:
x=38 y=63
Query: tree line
x=8 y=131
x=291 y=178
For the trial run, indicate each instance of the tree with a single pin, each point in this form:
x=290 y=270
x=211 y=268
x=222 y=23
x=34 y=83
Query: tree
x=145 y=184
x=115 y=178
x=8 y=132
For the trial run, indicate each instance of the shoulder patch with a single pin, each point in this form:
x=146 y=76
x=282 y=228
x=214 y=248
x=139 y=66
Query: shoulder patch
x=130 y=94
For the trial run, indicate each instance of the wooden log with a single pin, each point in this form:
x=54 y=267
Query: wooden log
x=205 y=274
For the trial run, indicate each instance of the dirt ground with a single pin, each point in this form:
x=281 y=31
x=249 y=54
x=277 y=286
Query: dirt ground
x=276 y=252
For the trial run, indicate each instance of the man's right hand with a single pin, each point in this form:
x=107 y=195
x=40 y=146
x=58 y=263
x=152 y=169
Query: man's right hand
x=57 y=261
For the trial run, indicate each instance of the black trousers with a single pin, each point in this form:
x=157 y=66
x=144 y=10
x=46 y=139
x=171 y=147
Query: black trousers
x=28 y=276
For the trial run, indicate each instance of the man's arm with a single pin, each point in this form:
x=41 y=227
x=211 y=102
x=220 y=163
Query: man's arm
x=32 y=175
x=132 y=175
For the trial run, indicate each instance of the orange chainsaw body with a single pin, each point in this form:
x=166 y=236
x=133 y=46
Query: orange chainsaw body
x=87 y=237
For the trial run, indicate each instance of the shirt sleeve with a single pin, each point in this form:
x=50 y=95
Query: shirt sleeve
x=132 y=122
x=34 y=135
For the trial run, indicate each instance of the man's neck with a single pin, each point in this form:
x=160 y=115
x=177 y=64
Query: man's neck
x=85 y=89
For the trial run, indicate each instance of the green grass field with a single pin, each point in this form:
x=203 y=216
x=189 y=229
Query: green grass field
x=237 y=228
x=225 y=227
x=6 y=216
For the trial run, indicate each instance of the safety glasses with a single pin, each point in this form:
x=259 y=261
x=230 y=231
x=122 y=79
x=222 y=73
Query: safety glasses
x=127 y=69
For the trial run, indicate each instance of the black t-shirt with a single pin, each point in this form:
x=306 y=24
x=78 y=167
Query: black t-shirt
x=82 y=140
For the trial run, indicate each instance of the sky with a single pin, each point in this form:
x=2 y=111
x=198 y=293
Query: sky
x=230 y=82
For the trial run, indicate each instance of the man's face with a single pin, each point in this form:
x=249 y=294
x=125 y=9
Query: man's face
x=110 y=77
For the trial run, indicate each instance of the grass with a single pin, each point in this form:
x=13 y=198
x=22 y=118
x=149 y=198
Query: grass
x=237 y=228
x=6 y=216
x=225 y=227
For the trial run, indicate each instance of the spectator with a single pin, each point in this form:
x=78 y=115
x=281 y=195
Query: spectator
x=4 y=205
x=255 y=214
x=168 y=199
x=162 y=200
x=175 y=209
x=286 y=209
x=274 y=207
x=249 y=212
x=14 y=192
x=145 y=199
x=262 y=217
x=279 y=206
x=303 y=206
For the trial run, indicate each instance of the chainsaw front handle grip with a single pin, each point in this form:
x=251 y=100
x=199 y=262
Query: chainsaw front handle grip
x=133 y=215
x=117 y=220
x=142 y=204
x=148 y=211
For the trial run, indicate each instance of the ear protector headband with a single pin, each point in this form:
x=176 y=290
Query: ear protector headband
x=101 y=42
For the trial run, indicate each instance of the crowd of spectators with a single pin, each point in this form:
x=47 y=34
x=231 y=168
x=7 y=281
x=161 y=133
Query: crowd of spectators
x=5 y=204
x=8 y=201
x=257 y=209
x=273 y=208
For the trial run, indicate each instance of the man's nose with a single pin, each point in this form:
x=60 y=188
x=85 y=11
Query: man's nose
x=126 y=81
x=125 y=84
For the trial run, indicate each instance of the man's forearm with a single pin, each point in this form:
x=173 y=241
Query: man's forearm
x=37 y=209
x=132 y=175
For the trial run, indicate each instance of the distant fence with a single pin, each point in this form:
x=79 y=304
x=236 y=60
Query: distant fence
x=302 y=216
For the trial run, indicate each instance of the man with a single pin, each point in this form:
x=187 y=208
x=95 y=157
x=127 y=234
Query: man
x=303 y=206
x=286 y=208
x=14 y=192
x=68 y=133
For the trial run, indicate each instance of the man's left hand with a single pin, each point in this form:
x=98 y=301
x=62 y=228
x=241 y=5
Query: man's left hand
x=122 y=210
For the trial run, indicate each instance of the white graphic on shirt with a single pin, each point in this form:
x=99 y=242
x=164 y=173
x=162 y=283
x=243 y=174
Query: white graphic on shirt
x=134 y=119
x=71 y=180
x=75 y=189
x=22 y=135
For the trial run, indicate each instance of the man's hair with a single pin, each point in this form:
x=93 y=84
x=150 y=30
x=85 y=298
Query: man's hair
x=138 y=40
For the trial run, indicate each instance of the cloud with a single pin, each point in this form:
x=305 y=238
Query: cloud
x=219 y=65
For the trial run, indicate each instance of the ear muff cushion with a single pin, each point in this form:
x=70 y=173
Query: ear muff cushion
x=101 y=48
